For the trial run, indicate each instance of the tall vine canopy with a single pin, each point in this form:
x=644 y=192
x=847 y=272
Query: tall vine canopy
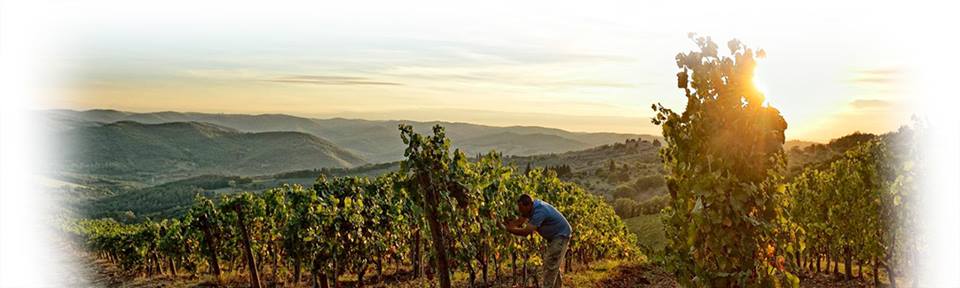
x=723 y=158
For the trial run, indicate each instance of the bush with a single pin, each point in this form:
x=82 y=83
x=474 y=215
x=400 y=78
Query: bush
x=650 y=182
x=624 y=191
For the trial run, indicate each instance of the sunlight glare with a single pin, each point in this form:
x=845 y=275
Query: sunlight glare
x=760 y=84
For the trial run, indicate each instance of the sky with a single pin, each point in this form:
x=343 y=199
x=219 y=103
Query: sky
x=831 y=68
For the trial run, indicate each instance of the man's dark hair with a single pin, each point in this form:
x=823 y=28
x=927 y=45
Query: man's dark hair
x=525 y=200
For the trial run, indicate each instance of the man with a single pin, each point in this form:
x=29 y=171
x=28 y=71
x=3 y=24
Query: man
x=536 y=215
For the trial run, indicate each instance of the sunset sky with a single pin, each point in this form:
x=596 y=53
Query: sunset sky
x=592 y=68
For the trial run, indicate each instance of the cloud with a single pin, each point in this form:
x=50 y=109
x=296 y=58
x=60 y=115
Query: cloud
x=869 y=103
x=331 y=80
x=512 y=75
x=486 y=54
x=590 y=83
x=877 y=76
x=223 y=74
x=247 y=74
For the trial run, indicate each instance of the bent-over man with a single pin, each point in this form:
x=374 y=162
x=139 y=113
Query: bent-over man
x=536 y=215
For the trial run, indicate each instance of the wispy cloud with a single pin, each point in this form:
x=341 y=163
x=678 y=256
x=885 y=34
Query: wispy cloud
x=870 y=103
x=254 y=75
x=513 y=75
x=492 y=54
x=223 y=74
x=877 y=76
x=331 y=80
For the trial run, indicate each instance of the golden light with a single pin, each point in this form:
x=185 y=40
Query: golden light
x=759 y=83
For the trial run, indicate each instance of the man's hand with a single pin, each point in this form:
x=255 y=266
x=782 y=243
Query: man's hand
x=507 y=223
x=516 y=227
x=514 y=223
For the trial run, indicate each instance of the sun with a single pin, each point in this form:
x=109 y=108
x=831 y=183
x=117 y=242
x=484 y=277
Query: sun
x=760 y=84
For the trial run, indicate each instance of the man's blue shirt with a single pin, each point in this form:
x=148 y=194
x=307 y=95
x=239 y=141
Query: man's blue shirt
x=549 y=222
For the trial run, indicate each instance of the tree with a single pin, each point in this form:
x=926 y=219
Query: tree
x=429 y=163
x=723 y=158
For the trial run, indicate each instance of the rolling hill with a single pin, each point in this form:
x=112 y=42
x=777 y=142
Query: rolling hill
x=373 y=141
x=161 y=201
x=183 y=149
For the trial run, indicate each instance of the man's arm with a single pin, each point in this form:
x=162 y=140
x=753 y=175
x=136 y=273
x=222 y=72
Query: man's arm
x=519 y=227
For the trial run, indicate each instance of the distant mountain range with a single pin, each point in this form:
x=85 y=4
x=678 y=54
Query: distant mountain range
x=111 y=141
x=188 y=148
